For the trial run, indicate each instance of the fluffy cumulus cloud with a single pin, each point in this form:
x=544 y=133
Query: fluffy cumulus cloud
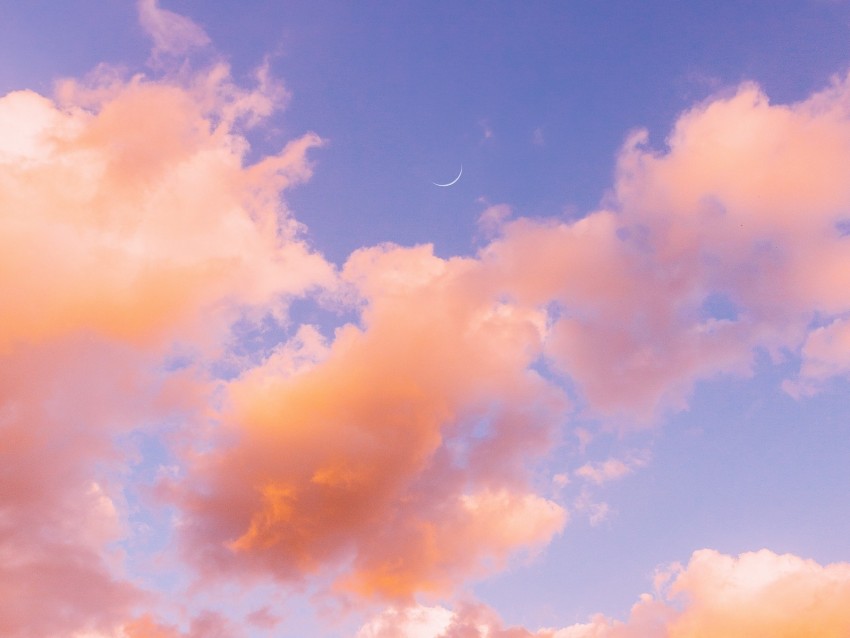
x=685 y=276
x=825 y=356
x=396 y=456
x=59 y=516
x=732 y=239
x=130 y=224
x=129 y=212
x=754 y=594
x=390 y=449
x=399 y=447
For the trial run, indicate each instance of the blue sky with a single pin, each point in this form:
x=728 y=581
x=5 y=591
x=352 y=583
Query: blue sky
x=536 y=102
x=409 y=90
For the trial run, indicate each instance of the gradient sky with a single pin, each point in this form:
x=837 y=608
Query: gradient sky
x=261 y=377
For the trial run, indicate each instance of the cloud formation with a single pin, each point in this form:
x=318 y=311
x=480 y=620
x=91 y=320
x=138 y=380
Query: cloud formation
x=419 y=419
x=400 y=447
x=610 y=469
x=131 y=226
x=729 y=241
x=172 y=33
x=623 y=302
x=394 y=457
x=755 y=594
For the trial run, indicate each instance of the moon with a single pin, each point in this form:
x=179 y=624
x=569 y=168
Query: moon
x=454 y=181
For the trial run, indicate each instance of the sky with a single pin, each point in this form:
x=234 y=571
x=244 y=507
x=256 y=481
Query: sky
x=261 y=376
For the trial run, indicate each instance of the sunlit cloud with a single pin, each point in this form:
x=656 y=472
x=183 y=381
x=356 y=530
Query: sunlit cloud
x=825 y=356
x=611 y=469
x=131 y=224
x=537 y=137
x=396 y=456
x=172 y=33
x=754 y=594
x=401 y=449
x=715 y=216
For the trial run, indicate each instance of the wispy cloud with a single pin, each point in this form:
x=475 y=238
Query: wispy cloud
x=172 y=33
x=537 y=137
x=611 y=469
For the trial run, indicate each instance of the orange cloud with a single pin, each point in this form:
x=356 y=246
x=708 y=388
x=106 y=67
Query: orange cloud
x=207 y=624
x=392 y=458
x=128 y=212
x=825 y=355
x=761 y=593
x=130 y=224
x=755 y=594
x=396 y=450
x=172 y=33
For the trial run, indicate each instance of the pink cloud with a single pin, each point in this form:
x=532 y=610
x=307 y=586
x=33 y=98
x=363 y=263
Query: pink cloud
x=745 y=204
x=148 y=215
x=414 y=622
x=393 y=458
x=147 y=627
x=130 y=224
x=375 y=430
x=396 y=451
x=172 y=33
x=615 y=329
x=611 y=469
x=207 y=624
x=754 y=594
x=826 y=355
x=57 y=407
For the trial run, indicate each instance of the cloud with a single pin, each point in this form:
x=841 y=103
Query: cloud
x=147 y=627
x=399 y=452
x=172 y=34
x=611 y=469
x=137 y=192
x=468 y=620
x=207 y=624
x=537 y=137
x=745 y=205
x=755 y=594
x=487 y=133
x=492 y=219
x=596 y=511
x=59 y=515
x=395 y=456
x=131 y=227
x=423 y=418
x=415 y=622
x=825 y=355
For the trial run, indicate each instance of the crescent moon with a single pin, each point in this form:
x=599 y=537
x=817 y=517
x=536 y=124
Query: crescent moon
x=454 y=181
